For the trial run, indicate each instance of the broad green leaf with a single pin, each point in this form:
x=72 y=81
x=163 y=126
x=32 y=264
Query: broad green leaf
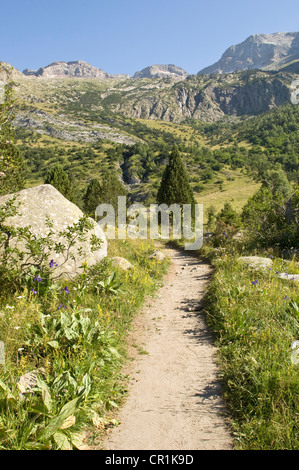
x=68 y=422
x=53 y=344
x=36 y=446
x=46 y=394
x=62 y=441
x=78 y=441
x=68 y=410
x=9 y=395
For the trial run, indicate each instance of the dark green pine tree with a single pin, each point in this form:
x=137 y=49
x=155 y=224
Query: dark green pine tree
x=175 y=187
x=111 y=188
x=12 y=164
x=91 y=198
x=61 y=180
x=104 y=192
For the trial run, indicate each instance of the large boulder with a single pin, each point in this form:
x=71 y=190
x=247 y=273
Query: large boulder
x=35 y=204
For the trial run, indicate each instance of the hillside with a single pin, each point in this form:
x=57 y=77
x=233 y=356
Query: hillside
x=207 y=98
x=231 y=121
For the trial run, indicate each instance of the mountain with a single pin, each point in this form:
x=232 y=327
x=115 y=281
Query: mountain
x=162 y=71
x=75 y=69
x=259 y=51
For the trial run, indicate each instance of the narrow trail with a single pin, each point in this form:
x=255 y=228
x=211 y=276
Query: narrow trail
x=174 y=400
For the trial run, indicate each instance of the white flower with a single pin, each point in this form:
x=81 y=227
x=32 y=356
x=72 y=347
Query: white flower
x=8 y=306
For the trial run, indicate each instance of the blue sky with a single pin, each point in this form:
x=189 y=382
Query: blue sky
x=126 y=36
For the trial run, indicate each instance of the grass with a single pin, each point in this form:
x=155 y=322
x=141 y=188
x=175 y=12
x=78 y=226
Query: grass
x=76 y=340
x=254 y=326
x=236 y=189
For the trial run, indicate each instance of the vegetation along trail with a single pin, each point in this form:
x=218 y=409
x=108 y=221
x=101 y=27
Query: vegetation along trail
x=174 y=400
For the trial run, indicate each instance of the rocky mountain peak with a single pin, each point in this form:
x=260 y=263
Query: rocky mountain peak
x=259 y=51
x=162 y=71
x=76 y=69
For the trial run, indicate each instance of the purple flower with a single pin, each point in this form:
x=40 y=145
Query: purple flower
x=34 y=291
x=225 y=234
x=286 y=297
x=65 y=289
x=254 y=283
x=52 y=263
x=61 y=306
x=38 y=279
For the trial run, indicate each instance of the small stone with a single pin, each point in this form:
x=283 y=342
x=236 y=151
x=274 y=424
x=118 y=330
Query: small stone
x=121 y=263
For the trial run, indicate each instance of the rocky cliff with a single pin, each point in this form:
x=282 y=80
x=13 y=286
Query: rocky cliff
x=260 y=51
x=162 y=71
x=206 y=98
x=76 y=69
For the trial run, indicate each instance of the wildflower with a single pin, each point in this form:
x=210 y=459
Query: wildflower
x=8 y=306
x=254 y=283
x=34 y=291
x=17 y=327
x=286 y=297
x=61 y=306
x=21 y=349
x=65 y=289
x=225 y=234
x=38 y=279
x=52 y=264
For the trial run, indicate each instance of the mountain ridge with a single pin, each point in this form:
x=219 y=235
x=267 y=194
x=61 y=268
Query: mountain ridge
x=72 y=69
x=258 y=51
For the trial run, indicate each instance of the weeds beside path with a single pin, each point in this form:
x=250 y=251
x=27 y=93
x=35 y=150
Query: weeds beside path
x=174 y=401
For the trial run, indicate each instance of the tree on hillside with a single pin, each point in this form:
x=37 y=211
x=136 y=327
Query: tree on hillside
x=61 y=180
x=104 y=192
x=12 y=165
x=277 y=182
x=175 y=187
x=92 y=197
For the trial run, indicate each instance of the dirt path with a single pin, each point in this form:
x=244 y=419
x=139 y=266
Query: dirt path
x=174 y=400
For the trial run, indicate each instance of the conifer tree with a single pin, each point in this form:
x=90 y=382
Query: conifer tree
x=91 y=198
x=104 y=192
x=111 y=188
x=61 y=180
x=12 y=164
x=175 y=187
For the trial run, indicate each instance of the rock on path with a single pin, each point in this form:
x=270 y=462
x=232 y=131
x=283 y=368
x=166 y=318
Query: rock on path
x=174 y=400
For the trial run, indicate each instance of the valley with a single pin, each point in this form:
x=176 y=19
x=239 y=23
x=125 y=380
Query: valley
x=136 y=343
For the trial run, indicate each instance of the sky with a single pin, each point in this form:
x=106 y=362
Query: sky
x=125 y=36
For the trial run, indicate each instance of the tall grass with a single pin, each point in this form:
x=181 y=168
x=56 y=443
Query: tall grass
x=254 y=316
x=72 y=337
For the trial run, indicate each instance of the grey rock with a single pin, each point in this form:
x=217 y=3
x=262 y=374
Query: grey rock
x=259 y=51
x=28 y=381
x=158 y=255
x=75 y=69
x=35 y=204
x=162 y=71
x=256 y=261
x=121 y=263
x=289 y=277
